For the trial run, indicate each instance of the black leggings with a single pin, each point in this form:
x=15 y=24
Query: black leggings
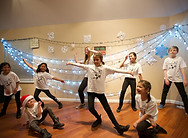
x=81 y=88
x=104 y=102
x=126 y=83
x=7 y=100
x=181 y=90
x=47 y=92
x=143 y=130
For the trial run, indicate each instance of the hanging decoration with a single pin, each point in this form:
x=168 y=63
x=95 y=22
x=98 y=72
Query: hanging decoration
x=51 y=36
x=50 y=49
x=151 y=60
x=162 y=27
x=87 y=38
x=64 y=49
x=161 y=51
x=121 y=35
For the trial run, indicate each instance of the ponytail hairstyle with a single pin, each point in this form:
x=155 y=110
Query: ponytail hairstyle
x=87 y=56
x=38 y=68
x=147 y=85
x=100 y=56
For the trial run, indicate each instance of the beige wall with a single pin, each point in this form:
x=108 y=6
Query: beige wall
x=102 y=31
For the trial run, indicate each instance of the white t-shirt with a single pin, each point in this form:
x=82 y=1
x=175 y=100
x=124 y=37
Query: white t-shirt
x=97 y=76
x=42 y=80
x=173 y=66
x=149 y=108
x=9 y=81
x=31 y=113
x=135 y=68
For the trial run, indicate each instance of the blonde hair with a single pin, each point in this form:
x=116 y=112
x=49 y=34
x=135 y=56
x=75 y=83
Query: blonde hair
x=87 y=56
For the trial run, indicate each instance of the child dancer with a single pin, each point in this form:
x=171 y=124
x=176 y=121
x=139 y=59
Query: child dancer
x=34 y=114
x=42 y=74
x=96 y=88
x=136 y=68
x=11 y=84
x=174 y=71
x=147 y=105
x=87 y=60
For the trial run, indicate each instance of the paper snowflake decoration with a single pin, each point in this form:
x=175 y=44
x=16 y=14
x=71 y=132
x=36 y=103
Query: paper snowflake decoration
x=51 y=36
x=87 y=38
x=64 y=49
x=161 y=51
x=162 y=27
x=50 y=49
x=151 y=60
x=121 y=35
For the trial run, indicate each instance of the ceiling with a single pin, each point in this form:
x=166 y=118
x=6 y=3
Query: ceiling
x=28 y=13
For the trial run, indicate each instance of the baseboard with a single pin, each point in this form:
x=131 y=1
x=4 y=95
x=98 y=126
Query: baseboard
x=109 y=100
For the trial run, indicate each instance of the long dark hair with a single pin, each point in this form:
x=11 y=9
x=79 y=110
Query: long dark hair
x=147 y=85
x=2 y=65
x=100 y=56
x=38 y=68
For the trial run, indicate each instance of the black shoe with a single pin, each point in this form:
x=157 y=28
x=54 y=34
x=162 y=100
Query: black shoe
x=57 y=124
x=134 y=109
x=60 y=105
x=2 y=114
x=118 y=110
x=160 y=130
x=18 y=114
x=120 y=129
x=46 y=134
x=97 y=122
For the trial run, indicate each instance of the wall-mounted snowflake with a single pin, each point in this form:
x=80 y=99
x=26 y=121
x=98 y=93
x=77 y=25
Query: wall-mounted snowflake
x=50 y=49
x=51 y=36
x=64 y=49
x=161 y=51
x=87 y=38
x=151 y=60
x=121 y=35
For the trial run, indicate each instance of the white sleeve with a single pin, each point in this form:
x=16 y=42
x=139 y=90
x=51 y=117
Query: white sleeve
x=182 y=63
x=139 y=69
x=164 y=64
x=110 y=70
x=81 y=65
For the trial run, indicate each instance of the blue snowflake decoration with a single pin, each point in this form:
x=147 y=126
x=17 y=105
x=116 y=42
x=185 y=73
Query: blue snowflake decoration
x=161 y=51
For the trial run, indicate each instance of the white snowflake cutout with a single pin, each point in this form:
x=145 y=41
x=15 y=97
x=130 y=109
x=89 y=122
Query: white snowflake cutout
x=64 y=49
x=51 y=36
x=50 y=49
x=151 y=60
x=162 y=27
x=87 y=38
x=121 y=35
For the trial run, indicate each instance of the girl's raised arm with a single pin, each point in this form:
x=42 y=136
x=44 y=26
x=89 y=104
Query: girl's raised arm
x=57 y=79
x=29 y=65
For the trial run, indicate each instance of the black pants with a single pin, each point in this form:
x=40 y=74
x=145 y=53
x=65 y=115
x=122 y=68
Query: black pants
x=181 y=90
x=1 y=94
x=34 y=125
x=7 y=100
x=126 y=83
x=143 y=130
x=104 y=102
x=47 y=92
x=81 y=88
